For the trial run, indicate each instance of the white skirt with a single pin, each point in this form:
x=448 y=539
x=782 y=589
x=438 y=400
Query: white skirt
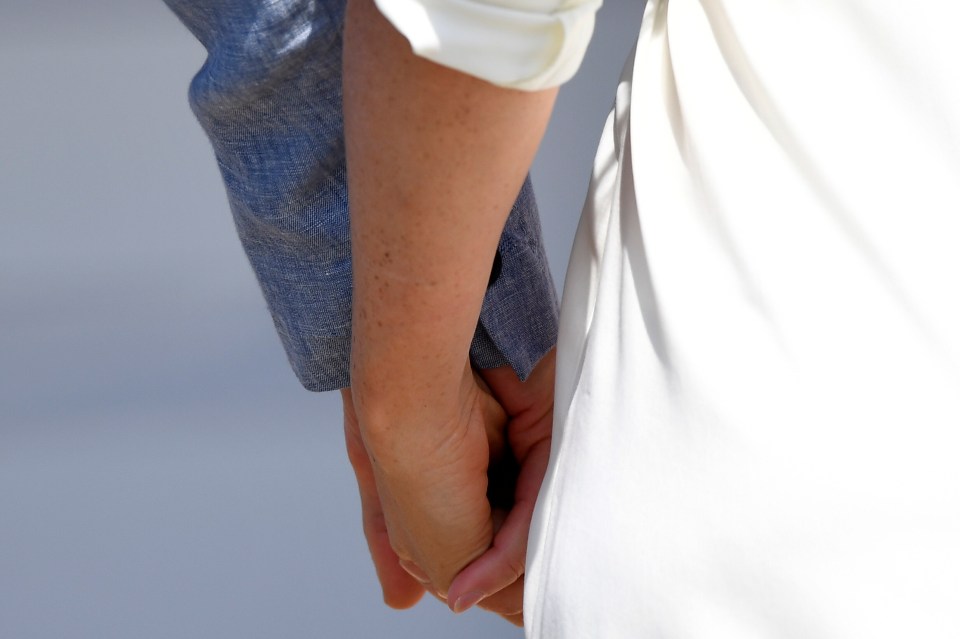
x=758 y=397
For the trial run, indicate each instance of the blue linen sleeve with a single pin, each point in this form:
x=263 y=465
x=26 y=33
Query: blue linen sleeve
x=269 y=99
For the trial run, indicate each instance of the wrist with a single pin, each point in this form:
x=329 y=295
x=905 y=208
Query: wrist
x=406 y=427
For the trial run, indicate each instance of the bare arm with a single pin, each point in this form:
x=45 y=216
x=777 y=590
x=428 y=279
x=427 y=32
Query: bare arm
x=435 y=161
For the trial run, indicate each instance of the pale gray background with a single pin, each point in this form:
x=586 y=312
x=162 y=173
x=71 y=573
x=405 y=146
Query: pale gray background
x=162 y=474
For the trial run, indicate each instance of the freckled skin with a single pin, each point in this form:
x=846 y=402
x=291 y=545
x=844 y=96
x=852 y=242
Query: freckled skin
x=435 y=161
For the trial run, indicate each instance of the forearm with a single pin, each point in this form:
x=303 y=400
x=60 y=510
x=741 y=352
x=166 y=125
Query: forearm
x=435 y=159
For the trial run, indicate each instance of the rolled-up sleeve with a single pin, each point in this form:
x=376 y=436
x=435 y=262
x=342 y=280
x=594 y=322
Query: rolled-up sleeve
x=518 y=44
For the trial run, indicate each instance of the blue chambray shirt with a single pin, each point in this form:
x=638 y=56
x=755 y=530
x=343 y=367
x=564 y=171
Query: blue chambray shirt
x=269 y=98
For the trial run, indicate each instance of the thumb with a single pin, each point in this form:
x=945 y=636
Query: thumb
x=504 y=563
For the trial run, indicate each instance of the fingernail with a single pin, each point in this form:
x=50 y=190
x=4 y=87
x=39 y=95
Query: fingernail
x=414 y=571
x=467 y=601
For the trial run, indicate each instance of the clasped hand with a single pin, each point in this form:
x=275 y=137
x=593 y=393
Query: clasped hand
x=447 y=506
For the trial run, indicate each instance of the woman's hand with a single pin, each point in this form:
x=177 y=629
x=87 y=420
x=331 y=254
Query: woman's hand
x=496 y=576
x=432 y=517
x=432 y=483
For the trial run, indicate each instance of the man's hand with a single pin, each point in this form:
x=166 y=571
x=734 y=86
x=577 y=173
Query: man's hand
x=496 y=578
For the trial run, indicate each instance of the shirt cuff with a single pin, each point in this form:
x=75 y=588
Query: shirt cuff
x=517 y=44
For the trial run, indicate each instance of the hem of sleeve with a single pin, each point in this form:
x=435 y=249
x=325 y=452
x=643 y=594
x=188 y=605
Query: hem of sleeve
x=520 y=313
x=511 y=48
x=327 y=369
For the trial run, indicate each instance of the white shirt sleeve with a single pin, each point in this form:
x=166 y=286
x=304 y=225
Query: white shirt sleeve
x=519 y=44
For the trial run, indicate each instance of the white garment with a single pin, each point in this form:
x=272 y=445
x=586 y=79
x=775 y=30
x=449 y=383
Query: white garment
x=520 y=44
x=758 y=394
